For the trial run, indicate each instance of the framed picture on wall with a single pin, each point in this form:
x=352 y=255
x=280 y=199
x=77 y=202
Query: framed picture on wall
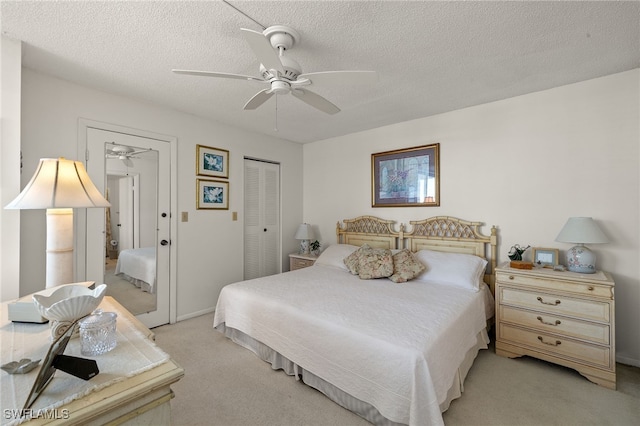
x=212 y=162
x=545 y=256
x=212 y=194
x=406 y=177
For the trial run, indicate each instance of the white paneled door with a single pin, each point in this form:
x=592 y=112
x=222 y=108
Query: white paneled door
x=146 y=216
x=261 y=219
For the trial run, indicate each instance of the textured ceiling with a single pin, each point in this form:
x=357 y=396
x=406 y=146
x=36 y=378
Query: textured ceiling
x=431 y=57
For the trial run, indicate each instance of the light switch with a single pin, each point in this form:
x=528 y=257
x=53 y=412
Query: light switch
x=185 y=216
x=234 y=216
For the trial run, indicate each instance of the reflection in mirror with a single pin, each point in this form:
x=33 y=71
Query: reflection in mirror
x=130 y=226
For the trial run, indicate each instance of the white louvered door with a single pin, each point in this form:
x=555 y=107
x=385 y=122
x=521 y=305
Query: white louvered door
x=261 y=219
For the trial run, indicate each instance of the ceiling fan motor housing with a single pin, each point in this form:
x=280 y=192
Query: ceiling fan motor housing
x=291 y=69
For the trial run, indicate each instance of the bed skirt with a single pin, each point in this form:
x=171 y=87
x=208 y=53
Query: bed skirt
x=361 y=408
x=142 y=285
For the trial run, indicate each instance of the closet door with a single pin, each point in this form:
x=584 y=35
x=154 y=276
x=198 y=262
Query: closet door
x=261 y=219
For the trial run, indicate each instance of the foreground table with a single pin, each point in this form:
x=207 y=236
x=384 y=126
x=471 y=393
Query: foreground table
x=133 y=386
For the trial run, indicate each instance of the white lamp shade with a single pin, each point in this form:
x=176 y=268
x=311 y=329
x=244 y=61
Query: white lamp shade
x=304 y=232
x=59 y=183
x=581 y=230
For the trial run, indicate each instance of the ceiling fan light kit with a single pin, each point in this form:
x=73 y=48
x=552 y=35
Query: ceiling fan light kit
x=283 y=74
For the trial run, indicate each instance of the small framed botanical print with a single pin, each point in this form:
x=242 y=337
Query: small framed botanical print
x=212 y=162
x=212 y=194
x=545 y=256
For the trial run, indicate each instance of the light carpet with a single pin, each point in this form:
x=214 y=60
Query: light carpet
x=227 y=385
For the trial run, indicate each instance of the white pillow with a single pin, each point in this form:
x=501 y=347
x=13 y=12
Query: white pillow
x=458 y=269
x=334 y=255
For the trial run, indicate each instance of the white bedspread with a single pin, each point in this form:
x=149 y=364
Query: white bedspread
x=395 y=346
x=139 y=264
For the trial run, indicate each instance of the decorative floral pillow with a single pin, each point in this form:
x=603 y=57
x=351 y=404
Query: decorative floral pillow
x=405 y=267
x=375 y=263
x=353 y=260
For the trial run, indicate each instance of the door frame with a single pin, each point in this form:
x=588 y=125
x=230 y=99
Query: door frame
x=81 y=216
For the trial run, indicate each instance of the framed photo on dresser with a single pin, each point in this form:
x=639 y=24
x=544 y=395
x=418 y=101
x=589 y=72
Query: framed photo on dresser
x=545 y=256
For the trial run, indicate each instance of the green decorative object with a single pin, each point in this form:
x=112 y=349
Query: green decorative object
x=516 y=252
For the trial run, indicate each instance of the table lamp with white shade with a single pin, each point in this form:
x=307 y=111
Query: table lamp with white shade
x=304 y=234
x=59 y=185
x=581 y=231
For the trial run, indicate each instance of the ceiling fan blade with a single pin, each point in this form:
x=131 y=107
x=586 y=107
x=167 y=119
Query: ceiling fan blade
x=258 y=99
x=315 y=101
x=131 y=154
x=340 y=77
x=217 y=74
x=263 y=50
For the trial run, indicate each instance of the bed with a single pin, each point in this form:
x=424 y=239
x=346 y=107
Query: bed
x=138 y=266
x=393 y=353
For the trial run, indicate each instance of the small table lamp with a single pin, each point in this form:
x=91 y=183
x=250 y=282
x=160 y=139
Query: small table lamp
x=581 y=230
x=59 y=185
x=304 y=233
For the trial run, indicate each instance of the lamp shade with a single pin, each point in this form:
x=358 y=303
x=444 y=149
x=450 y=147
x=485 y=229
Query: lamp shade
x=59 y=183
x=581 y=230
x=304 y=232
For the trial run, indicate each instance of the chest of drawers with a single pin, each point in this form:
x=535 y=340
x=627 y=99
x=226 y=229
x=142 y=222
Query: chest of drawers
x=561 y=317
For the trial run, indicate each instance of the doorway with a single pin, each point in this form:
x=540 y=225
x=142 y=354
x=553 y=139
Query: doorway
x=128 y=245
x=261 y=218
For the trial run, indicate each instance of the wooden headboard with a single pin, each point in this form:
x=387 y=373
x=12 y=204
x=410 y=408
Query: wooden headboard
x=439 y=233
x=375 y=232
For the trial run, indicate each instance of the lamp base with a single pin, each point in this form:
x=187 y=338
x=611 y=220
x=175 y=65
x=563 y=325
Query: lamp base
x=304 y=247
x=581 y=259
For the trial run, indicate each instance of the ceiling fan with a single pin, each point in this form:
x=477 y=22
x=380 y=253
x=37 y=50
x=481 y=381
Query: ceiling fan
x=284 y=75
x=124 y=153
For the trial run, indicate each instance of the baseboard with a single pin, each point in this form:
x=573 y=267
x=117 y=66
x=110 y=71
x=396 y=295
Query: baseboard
x=195 y=314
x=627 y=361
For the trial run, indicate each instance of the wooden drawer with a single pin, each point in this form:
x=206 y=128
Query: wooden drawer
x=556 y=345
x=297 y=263
x=593 y=332
x=555 y=304
x=588 y=289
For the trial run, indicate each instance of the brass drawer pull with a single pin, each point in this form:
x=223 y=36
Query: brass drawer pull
x=549 y=323
x=591 y=288
x=556 y=343
x=510 y=277
x=557 y=302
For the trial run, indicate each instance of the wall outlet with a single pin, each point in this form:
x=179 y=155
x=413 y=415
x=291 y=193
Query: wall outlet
x=185 y=216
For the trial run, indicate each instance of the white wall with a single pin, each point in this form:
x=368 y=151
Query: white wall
x=209 y=246
x=10 y=82
x=525 y=164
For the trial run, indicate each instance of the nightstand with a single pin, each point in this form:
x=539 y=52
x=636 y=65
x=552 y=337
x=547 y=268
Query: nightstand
x=299 y=261
x=562 y=317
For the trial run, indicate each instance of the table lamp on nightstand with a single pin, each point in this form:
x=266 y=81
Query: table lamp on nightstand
x=59 y=185
x=581 y=230
x=304 y=234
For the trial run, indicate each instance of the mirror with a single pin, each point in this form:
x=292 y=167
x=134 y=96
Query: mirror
x=130 y=226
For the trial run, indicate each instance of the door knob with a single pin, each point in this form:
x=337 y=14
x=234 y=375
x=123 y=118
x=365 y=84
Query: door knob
x=164 y=242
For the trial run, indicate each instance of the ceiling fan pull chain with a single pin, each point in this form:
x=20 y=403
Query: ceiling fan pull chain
x=276 y=128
